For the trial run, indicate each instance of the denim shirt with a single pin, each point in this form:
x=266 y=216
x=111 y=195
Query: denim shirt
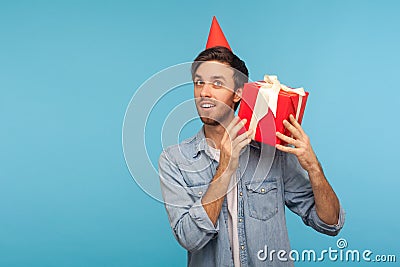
x=269 y=180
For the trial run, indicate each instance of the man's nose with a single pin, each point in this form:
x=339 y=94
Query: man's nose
x=206 y=90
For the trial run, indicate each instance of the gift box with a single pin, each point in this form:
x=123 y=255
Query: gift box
x=266 y=104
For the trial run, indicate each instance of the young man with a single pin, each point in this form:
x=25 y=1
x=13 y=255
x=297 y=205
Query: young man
x=225 y=203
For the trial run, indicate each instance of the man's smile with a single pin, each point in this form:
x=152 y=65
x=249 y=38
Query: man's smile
x=206 y=104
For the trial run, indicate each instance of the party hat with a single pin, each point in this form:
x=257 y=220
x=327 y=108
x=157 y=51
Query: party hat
x=216 y=37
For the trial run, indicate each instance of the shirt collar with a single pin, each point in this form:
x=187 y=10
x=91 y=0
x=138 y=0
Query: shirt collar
x=201 y=143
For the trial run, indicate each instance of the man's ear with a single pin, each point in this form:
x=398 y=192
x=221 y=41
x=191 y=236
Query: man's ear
x=238 y=95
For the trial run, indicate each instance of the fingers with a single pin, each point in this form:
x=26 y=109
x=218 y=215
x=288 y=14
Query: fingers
x=233 y=123
x=242 y=140
x=286 y=149
x=288 y=139
x=237 y=128
x=244 y=136
x=231 y=134
x=234 y=127
x=243 y=143
x=232 y=143
x=296 y=124
x=293 y=130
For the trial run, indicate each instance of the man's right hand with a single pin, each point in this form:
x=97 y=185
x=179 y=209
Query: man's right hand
x=232 y=144
x=230 y=147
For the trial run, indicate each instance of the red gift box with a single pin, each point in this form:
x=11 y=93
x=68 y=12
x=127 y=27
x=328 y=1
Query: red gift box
x=266 y=104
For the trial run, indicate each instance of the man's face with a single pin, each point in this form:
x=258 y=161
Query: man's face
x=214 y=92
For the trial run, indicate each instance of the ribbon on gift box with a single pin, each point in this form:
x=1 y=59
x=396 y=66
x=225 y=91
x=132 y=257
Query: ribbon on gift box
x=267 y=97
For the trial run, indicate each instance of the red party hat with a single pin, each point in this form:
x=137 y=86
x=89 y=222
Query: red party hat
x=216 y=37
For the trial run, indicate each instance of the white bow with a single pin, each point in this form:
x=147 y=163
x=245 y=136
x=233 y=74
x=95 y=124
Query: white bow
x=267 y=97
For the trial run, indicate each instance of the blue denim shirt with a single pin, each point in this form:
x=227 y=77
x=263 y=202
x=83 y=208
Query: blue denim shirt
x=269 y=180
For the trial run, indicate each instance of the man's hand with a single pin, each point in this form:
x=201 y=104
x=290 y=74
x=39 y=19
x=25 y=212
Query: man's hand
x=302 y=146
x=326 y=202
x=230 y=147
x=232 y=144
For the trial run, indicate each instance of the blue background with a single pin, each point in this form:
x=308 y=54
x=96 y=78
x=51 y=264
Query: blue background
x=68 y=70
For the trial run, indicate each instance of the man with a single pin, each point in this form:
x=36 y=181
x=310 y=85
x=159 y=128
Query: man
x=225 y=194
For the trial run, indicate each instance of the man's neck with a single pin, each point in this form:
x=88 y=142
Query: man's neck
x=214 y=133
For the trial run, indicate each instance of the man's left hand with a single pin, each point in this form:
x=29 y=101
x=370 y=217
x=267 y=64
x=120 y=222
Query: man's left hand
x=302 y=146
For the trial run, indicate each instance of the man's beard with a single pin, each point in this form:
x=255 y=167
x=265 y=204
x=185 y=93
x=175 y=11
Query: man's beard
x=220 y=114
x=209 y=121
x=218 y=120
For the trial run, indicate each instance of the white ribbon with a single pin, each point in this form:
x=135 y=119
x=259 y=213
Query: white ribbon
x=267 y=97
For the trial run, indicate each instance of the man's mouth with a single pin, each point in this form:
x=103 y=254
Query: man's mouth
x=207 y=105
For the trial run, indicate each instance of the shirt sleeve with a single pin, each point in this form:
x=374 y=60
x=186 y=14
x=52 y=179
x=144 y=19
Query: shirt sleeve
x=299 y=197
x=189 y=221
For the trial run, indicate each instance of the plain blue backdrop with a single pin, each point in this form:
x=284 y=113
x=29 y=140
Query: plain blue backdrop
x=68 y=70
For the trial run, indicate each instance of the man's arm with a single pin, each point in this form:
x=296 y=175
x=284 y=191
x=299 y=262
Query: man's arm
x=231 y=145
x=326 y=202
x=189 y=222
x=194 y=223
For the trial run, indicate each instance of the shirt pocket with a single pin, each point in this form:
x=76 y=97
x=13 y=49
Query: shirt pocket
x=262 y=199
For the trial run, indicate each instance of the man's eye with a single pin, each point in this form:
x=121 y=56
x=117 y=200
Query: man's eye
x=199 y=83
x=217 y=83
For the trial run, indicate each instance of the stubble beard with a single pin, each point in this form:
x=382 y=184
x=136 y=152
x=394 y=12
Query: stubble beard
x=222 y=119
x=209 y=121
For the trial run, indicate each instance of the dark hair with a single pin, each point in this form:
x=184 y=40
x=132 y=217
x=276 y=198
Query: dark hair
x=224 y=55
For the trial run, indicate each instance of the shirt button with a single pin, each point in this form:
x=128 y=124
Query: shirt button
x=242 y=247
x=240 y=220
x=262 y=190
x=241 y=193
x=201 y=192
